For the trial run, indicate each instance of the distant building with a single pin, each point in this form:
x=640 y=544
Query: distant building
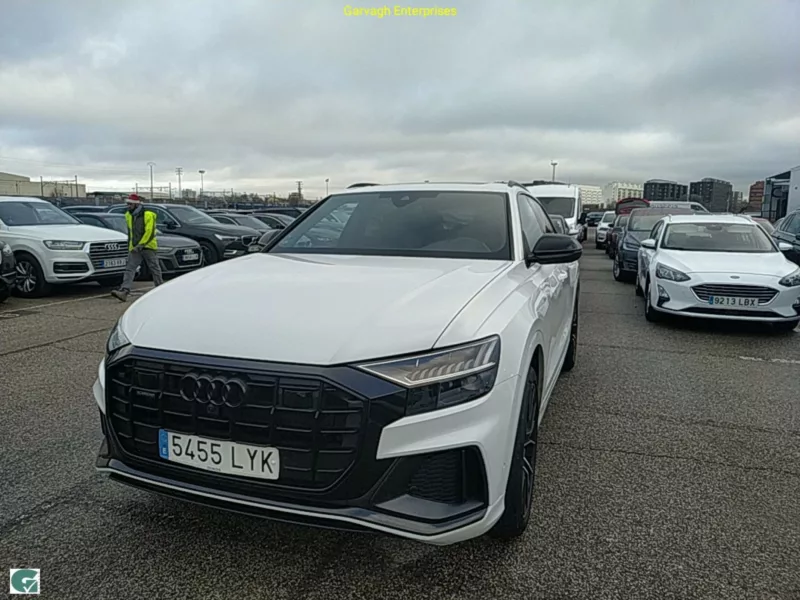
x=617 y=190
x=591 y=194
x=755 y=197
x=662 y=190
x=19 y=185
x=781 y=194
x=738 y=201
x=715 y=194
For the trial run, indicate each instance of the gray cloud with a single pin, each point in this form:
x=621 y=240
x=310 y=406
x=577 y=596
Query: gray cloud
x=261 y=94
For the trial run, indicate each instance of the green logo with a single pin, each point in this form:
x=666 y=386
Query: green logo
x=24 y=581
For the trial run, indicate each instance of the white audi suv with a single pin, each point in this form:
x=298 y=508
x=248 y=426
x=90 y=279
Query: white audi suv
x=389 y=376
x=718 y=267
x=52 y=247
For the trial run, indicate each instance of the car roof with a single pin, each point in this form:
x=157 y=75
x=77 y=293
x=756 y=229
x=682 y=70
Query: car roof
x=662 y=210
x=709 y=218
x=502 y=187
x=23 y=198
x=98 y=214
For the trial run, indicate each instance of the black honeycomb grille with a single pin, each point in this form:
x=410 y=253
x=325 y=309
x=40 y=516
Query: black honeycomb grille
x=316 y=426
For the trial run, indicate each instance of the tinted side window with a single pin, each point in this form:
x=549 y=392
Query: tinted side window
x=532 y=229
x=791 y=225
x=162 y=216
x=93 y=221
x=541 y=216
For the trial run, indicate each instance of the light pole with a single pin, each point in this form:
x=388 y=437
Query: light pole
x=179 y=172
x=202 y=172
x=151 y=165
x=326 y=185
x=553 y=164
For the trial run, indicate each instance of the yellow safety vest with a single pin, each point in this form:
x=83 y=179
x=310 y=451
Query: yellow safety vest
x=149 y=238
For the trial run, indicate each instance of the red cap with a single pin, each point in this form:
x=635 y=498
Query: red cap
x=134 y=198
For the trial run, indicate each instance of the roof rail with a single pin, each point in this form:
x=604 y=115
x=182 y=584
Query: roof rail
x=358 y=185
x=511 y=183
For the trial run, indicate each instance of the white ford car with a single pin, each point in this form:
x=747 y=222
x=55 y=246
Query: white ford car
x=52 y=247
x=719 y=267
x=604 y=229
x=391 y=377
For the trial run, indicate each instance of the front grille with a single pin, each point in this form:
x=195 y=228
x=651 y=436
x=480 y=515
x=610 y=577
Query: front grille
x=249 y=239
x=316 y=426
x=103 y=251
x=763 y=294
x=730 y=312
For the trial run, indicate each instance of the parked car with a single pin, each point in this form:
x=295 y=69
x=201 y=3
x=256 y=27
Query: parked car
x=217 y=240
x=176 y=254
x=640 y=223
x=593 y=218
x=8 y=271
x=603 y=228
x=617 y=229
x=416 y=392
x=274 y=220
x=718 y=267
x=765 y=224
x=243 y=221
x=85 y=208
x=52 y=247
x=564 y=200
x=788 y=232
x=289 y=211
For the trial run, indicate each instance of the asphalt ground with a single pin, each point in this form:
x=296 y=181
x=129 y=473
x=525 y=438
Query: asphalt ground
x=669 y=468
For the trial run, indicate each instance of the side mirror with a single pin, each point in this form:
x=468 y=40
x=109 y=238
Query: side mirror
x=784 y=247
x=554 y=249
x=649 y=243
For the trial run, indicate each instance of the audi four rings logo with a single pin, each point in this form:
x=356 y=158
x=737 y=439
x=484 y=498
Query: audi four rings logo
x=215 y=390
x=113 y=246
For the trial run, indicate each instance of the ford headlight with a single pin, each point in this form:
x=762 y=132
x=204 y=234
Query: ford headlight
x=63 y=245
x=442 y=378
x=792 y=279
x=116 y=340
x=663 y=272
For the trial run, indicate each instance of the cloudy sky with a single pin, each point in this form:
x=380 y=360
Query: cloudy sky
x=261 y=93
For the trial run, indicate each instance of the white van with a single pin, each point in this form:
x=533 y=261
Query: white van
x=695 y=206
x=564 y=200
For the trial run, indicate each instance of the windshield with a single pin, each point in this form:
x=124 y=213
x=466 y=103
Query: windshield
x=608 y=217
x=22 y=213
x=717 y=237
x=248 y=221
x=191 y=216
x=558 y=206
x=444 y=224
x=644 y=222
x=117 y=223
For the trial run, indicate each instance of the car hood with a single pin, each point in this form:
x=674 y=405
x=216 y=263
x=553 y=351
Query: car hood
x=226 y=229
x=175 y=241
x=770 y=264
x=72 y=233
x=308 y=309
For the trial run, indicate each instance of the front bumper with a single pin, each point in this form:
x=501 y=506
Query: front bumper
x=680 y=299
x=601 y=234
x=238 y=247
x=628 y=260
x=73 y=266
x=401 y=481
x=175 y=260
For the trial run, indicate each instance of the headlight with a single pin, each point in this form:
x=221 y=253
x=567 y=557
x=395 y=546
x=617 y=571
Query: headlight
x=663 y=272
x=226 y=238
x=792 y=279
x=7 y=250
x=628 y=244
x=116 y=340
x=63 y=245
x=444 y=378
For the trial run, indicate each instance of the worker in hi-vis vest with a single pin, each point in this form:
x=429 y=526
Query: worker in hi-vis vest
x=142 y=245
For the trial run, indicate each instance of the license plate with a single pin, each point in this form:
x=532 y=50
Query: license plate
x=219 y=456
x=254 y=248
x=190 y=256
x=114 y=262
x=732 y=301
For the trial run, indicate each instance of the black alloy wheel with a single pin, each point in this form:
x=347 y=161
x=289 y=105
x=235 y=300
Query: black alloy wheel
x=210 y=254
x=522 y=472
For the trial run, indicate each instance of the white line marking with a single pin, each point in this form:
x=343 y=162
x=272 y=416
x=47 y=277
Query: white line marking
x=782 y=361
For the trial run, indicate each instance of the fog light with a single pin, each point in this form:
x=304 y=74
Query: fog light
x=663 y=296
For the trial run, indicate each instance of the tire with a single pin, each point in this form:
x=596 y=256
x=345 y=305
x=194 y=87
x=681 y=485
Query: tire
x=210 y=254
x=616 y=270
x=111 y=281
x=30 y=277
x=572 y=349
x=786 y=326
x=649 y=313
x=522 y=471
x=639 y=291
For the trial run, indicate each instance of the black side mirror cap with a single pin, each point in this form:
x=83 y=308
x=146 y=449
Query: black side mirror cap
x=554 y=249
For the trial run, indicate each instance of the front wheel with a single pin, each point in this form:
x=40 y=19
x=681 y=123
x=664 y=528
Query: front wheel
x=650 y=313
x=519 y=486
x=786 y=326
x=30 y=277
x=210 y=254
